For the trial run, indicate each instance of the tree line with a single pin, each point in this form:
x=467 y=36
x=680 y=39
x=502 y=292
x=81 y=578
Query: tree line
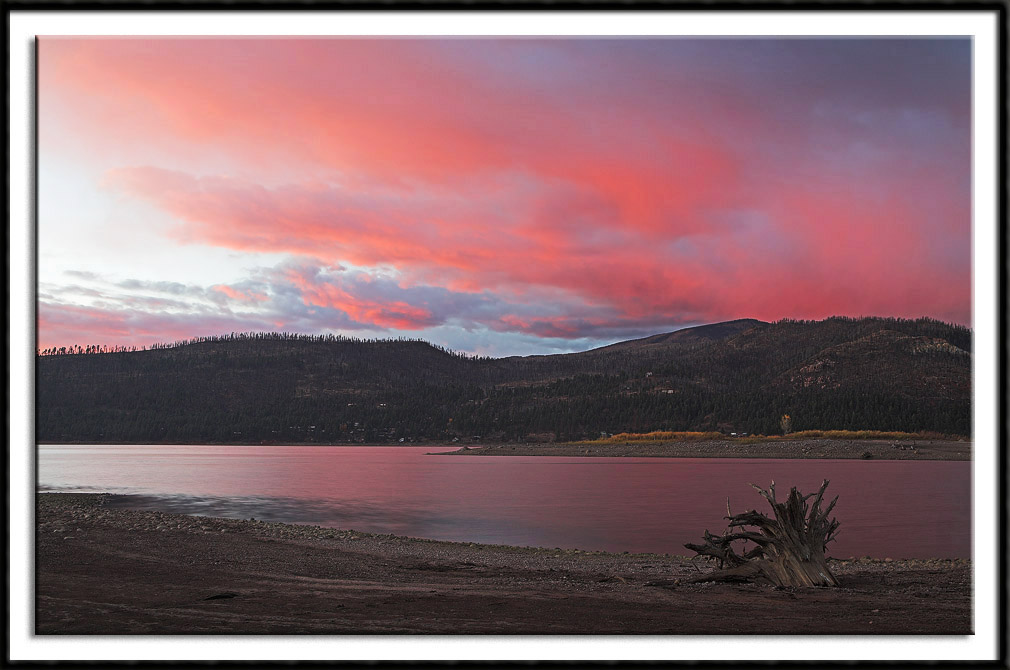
x=854 y=374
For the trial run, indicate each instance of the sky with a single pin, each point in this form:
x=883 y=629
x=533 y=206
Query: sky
x=497 y=196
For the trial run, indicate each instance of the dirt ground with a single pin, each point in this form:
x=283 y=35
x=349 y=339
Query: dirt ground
x=105 y=570
x=889 y=450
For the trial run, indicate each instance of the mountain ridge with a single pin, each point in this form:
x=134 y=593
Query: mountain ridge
x=710 y=331
x=838 y=373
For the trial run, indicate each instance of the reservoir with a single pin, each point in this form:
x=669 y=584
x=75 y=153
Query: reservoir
x=897 y=509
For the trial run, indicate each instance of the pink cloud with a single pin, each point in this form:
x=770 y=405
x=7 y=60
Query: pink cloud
x=120 y=325
x=600 y=179
x=241 y=296
x=814 y=244
x=395 y=314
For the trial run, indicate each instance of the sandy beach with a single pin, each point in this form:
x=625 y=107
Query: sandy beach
x=904 y=450
x=106 y=570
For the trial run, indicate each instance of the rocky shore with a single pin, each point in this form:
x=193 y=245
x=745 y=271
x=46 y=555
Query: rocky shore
x=904 y=450
x=106 y=570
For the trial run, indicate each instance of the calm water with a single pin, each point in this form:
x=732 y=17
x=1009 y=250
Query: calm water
x=906 y=509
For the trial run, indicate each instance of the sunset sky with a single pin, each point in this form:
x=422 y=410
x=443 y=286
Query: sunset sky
x=497 y=196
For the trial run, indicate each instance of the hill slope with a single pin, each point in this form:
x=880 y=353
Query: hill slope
x=707 y=333
x=840 y=373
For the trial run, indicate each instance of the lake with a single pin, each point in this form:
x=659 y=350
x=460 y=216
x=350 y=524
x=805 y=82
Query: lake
x=898 y=509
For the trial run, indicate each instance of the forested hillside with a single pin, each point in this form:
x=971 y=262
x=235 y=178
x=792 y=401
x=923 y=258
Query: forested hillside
x=840 y=373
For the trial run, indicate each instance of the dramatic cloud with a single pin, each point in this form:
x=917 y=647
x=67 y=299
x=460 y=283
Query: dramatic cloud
x=572 y=190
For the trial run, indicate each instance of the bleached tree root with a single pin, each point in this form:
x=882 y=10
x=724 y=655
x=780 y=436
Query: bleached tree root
x=788 y=547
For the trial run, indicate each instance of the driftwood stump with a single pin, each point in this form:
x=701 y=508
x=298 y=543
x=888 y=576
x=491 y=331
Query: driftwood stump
x=789 y=548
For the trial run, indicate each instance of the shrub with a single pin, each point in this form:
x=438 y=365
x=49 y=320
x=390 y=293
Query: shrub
x=656 y=436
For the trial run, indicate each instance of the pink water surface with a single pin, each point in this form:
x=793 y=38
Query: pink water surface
x=901 y=509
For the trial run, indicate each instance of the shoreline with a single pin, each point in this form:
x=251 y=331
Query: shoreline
x=108 y=570
x=805 y=448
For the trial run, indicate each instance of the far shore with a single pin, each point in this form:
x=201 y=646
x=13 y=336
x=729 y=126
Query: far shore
x=827 y=448
x=101 y=569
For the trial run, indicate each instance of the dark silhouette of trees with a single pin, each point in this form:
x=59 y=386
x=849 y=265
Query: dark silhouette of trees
x=840 y=373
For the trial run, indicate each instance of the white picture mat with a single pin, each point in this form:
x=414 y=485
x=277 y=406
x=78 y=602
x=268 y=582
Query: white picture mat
x=981 y=26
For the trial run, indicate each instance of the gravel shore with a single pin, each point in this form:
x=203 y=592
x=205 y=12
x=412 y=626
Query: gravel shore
x=887 y=450
x=106 y=570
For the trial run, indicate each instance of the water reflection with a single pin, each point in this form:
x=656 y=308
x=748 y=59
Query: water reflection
x=886 y=508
